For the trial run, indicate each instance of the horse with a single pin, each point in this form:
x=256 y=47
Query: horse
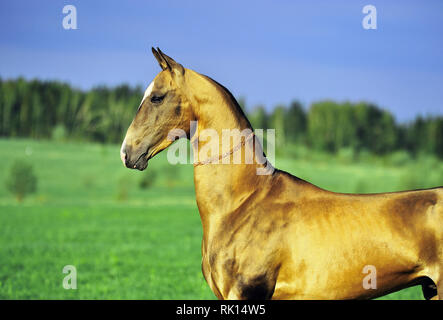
x=276 y=236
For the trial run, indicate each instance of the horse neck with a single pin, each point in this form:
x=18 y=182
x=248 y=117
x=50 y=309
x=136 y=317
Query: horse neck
x=220 y=188
x=214 y=107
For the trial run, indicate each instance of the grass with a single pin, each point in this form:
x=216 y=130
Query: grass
x=130 y=243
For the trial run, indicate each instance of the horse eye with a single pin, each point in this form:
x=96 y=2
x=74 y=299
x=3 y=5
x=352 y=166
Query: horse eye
x=156 y=99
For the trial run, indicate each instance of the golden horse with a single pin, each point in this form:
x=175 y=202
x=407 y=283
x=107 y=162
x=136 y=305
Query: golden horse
x=275 y=236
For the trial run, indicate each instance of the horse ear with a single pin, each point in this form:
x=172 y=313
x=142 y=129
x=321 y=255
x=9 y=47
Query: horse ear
x=161 y=61
x=173 y=66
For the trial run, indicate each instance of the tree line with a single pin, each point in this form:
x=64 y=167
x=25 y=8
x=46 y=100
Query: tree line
x=331 y=126
x=41 y=109
x=37 y=108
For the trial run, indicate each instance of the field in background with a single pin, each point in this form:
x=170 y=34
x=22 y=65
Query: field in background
x=133 y=243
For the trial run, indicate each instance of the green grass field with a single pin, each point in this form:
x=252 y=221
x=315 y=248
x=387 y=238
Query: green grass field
x=130 y=243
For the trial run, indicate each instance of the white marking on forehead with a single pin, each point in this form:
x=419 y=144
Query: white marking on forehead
x=148 y=91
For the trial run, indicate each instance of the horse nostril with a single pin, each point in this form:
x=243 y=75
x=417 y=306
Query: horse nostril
x=127 y=163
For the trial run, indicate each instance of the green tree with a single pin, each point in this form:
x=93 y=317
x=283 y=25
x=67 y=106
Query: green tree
x=322 y=124
x=258 y=118
x=277 y=122
x=295 y=123
x=21 y=180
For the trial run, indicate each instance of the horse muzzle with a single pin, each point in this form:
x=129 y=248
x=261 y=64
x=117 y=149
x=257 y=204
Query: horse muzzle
x=133 y=160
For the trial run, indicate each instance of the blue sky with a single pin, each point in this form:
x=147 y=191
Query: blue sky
x=270 y=52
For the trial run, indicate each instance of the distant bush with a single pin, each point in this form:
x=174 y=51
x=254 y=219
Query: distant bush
x=148 y=179
x=59 y=133
x=21 y=180
x=295 y=151
x=346 y=155
x=399 y=158
x=365 y=155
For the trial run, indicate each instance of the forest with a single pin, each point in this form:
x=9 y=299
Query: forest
x=52 y=109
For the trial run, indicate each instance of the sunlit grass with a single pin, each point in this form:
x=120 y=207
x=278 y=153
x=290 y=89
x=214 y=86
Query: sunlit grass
x=130 y=243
